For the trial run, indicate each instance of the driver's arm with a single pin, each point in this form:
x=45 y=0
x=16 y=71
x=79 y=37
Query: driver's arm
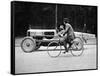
x=67 y=28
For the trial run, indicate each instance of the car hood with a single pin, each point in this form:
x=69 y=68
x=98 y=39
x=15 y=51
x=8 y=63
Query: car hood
x=41 y=30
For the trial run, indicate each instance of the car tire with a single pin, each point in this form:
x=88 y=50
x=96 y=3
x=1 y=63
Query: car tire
x=28 y=44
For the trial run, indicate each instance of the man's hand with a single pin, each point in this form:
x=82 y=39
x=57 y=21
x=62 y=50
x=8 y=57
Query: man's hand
x=62 y=39
x=61 y=33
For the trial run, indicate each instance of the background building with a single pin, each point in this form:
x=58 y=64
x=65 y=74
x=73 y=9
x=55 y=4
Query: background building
x=48 y=16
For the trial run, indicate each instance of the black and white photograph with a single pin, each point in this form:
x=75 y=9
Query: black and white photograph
x=53 y=37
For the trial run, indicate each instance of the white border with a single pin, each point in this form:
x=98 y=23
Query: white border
x=5 y=37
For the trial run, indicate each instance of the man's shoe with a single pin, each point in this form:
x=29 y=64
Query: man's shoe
x=65 y=52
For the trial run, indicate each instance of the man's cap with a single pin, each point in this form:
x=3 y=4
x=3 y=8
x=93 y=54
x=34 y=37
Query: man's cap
x=66 y=20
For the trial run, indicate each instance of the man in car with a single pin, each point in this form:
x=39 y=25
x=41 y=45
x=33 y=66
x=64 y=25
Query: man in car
x=67 y=34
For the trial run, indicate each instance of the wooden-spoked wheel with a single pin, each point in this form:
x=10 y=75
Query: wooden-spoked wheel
x=28 y=44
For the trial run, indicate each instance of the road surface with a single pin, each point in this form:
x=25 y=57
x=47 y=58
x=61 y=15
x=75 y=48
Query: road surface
x=40 y=61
